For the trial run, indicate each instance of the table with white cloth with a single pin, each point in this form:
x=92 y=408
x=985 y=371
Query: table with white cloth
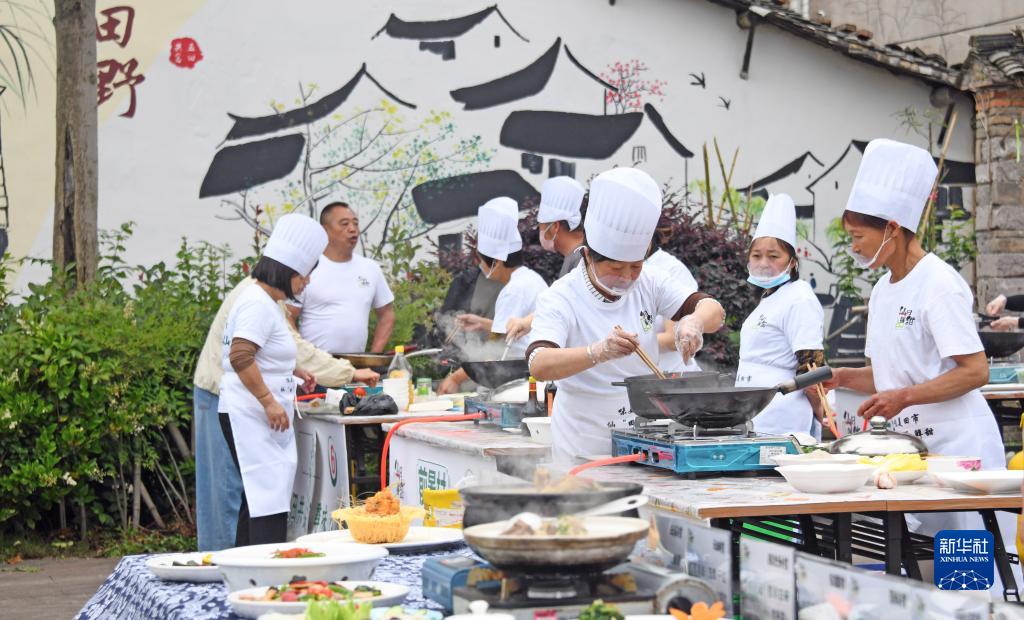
x=133 y=592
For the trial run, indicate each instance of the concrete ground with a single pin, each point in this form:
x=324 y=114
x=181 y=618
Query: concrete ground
x=51 y=589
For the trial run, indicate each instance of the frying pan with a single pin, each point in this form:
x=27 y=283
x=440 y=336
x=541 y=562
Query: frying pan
x=638 y=388
x=499 y=372
x=607 y=543
x=379 y=360
x=485 y=503
x=1001 y=344
x=722 y=407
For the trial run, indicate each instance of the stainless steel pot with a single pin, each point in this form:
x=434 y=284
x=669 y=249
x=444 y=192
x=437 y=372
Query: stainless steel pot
x=878 y=441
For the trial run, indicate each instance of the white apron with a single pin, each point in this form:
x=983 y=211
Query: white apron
x=787 y=413
x=266 y=458
x=581 y=423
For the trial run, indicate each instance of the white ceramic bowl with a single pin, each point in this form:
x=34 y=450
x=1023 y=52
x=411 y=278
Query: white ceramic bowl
x=785 y=460
x=162 y=566
x=946 y=464
x=540 y=429
x=826 y=478
x=254 y=566
x=992 y=481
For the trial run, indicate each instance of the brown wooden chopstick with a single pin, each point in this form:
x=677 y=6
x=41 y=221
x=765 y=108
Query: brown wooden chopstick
x=647 y=360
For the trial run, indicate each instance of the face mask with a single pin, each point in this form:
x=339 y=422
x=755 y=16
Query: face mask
x=865 y=263
x=766 y=280
x=547 y=244
x=616 y=285
x=487 y=272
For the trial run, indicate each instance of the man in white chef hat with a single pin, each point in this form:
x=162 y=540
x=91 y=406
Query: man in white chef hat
x=560 y=224
x=500 y=250
x=926 y=359
x=590 y=323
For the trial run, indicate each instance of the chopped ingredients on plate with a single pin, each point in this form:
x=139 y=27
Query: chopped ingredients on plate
x=333 y=610
x=381 y=519
x=527 y=525
x=206 y=561
x=304 y=591
x=598 y=610
x=896 y=462
x=296 y=552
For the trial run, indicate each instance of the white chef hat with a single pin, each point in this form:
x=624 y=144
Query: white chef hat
x=560 y=199
x=893 y=182
x=778 y=219
x=624 y=208
x=498 y=228
x=297 y=241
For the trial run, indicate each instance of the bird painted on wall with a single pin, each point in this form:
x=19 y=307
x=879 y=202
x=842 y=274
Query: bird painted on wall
x=725 y=103
x=698 y=80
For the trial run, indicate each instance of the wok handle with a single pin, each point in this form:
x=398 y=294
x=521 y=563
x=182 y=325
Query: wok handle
x=806 y=380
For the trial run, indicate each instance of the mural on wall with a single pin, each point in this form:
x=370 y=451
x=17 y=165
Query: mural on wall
x=115 y=25
x=438 y=36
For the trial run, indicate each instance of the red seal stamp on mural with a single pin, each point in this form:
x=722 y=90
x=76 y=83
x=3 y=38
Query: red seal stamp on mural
x=185 y=52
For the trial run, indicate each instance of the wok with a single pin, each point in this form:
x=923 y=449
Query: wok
x=1001 y=344
x=607 y=543
x=638 y=388
x=379 y=360
x=494 y=373
x=721 y=407
x=485 y=504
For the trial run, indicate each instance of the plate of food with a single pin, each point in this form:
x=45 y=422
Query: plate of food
x=904 y=468
x=380 y=520
x=418 y=538
x=293 y=597
x=274 y=564
x=404 y=613
x=985 y=481
x=195 y=567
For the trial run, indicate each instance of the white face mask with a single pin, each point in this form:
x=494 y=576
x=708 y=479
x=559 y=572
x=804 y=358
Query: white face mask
x=764 y=277
x=865 y=263
x=618 y=286
x=547 y=244
x=487 y=272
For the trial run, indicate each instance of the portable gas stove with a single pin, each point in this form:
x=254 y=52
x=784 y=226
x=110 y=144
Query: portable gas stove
x=635 y=588
x=696 y=450
x=505 y=415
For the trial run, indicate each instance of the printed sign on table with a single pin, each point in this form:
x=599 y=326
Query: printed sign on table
x=709 y=558
x=768 y=591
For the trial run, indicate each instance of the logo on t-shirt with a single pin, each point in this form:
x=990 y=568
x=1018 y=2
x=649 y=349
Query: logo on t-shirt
x=905 y=318
x=762 y=322
x=363 y=282
x=646 y=320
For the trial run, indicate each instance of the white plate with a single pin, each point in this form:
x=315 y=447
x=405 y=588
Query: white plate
x=785 y=460
x=1005 y=481
x=419 y=537
x=391 y=594
x=255 y=566
x=161 y=567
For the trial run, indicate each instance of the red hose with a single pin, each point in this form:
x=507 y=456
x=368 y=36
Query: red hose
x=306 y=397
x=394 y=427
x=629 y=458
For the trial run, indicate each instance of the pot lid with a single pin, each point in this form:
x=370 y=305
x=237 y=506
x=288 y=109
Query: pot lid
x=878 y=441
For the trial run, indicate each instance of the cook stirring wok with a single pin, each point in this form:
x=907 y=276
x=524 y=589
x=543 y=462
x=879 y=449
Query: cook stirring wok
x=588 y=325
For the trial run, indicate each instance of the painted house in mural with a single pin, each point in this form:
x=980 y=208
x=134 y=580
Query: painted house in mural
x=471 y=32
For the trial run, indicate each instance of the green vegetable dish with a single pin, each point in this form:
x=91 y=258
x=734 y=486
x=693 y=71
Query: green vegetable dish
x=598 y=610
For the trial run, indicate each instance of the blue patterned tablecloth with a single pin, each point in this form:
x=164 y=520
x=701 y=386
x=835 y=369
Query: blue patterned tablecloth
x=132 y=591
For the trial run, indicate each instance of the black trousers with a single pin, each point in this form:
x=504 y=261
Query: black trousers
x=253 y=530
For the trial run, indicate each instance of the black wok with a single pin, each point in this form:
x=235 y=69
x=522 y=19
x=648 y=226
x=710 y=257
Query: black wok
x=498 y=372
x=487 y=504
x=638 y=388
x=1001 y=344
x=720 y=407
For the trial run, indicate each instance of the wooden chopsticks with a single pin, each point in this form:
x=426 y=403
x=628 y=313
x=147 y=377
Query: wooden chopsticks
x=830 y=414
x=647 y=360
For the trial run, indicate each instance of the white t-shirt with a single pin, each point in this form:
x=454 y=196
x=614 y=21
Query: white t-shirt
x=789 y=320
x=915 y=327
x=256 y=317
x=517 y=299
x=568 y=314
x=337 y=302
x=663 y=261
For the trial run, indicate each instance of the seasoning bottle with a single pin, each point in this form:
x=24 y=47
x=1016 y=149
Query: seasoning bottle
x=401 y=369
x=550 y=389
x=532 y=409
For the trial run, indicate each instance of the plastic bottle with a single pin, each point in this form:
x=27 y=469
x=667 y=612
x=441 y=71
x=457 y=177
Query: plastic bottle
x=401 y=369
x=532 y=407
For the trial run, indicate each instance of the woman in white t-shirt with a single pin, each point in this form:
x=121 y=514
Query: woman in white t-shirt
x=257 y=391
x=783 y=336
x=926 y=359
x=588 y=325
x=500 y=249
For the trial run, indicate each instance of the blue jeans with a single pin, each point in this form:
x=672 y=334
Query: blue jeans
x=218 y=484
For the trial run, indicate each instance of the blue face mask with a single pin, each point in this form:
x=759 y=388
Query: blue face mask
x=768 y=282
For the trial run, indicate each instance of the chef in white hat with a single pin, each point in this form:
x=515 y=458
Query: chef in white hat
x=926 y=359
x=499 y=247
x=560 y=224
x=783 y=336
x=588 y=325
x=257 y=391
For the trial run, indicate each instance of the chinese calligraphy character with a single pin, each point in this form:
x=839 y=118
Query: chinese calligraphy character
x=108 y=30
x=107 y=81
